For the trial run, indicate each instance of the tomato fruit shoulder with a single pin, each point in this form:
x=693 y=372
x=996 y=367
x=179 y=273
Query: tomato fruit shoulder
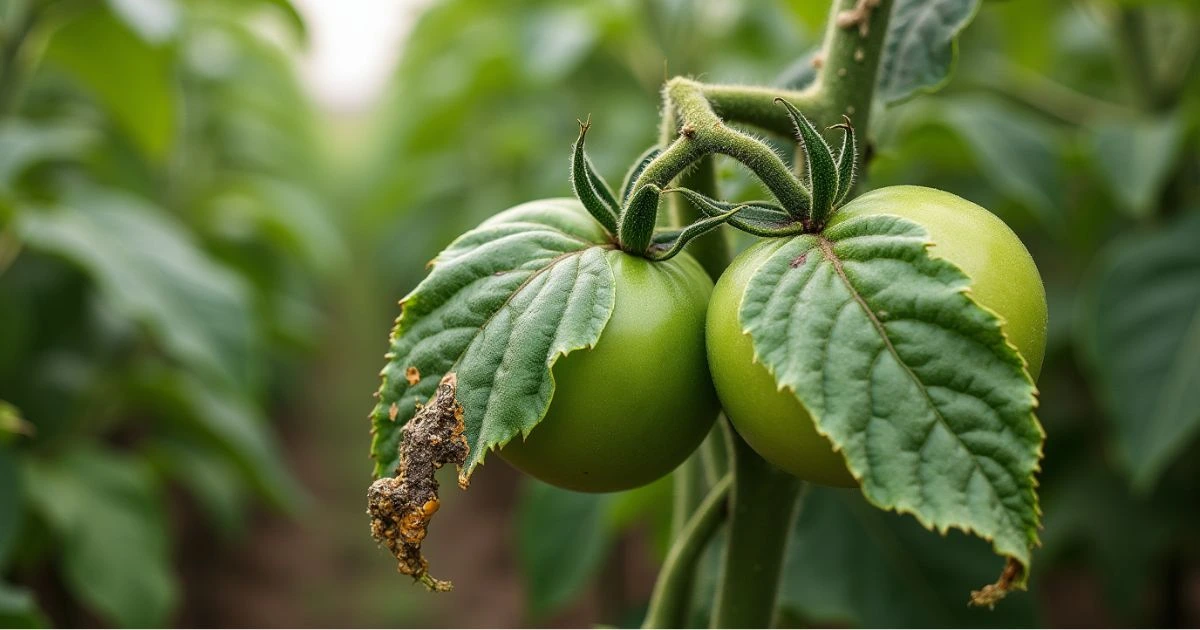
x=631 y=409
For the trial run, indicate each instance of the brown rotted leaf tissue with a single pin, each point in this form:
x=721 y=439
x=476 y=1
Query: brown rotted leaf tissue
x=402 y=506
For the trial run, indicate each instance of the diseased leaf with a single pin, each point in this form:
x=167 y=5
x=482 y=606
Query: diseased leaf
x=1140 y=319
x=499 y=307
x=107 y=512
x=562 y=540
x=151 y=271
x=921 y=45
x=909 y=378
x=902 y=576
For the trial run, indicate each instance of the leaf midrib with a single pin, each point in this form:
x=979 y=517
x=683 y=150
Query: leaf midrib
x=827 y=251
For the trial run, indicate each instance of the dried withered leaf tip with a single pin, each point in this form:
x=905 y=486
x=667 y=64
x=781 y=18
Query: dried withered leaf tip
x=991 y=594
x=400 y=507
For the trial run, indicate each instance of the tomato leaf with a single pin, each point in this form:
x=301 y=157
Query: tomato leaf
x=502 y=303
x=109 y=516
x=909 y=378
x=141 y=98
x=24 y=144
x=1016 y=151
x=921 y=45
x=562 y=541
x=902 y=576
x=226 y=417
x=1136 y=158
x=1140 y=329
x=149 y=268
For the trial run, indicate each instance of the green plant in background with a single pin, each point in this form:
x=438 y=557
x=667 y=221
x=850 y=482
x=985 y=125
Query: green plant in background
x=162 y=234
x=1005 y=148
x=169 y=251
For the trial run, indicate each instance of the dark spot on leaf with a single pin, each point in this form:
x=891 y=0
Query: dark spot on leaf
x=401 y=507
x=799 y=260
x=412 y=375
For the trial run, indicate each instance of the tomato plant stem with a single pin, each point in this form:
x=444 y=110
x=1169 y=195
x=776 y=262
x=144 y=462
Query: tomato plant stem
x=764 y=502
x=670 y=603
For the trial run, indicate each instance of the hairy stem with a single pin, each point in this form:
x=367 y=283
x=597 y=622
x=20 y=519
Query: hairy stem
x=854 y=37
x=698 y=131
x=670 y=603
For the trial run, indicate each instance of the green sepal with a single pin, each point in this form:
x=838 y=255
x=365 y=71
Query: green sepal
x=822 y=170
x=638 y=220
x=589 y=187
x=678 y=239
x=847 y=161
x=635 y=172
x=760 y=218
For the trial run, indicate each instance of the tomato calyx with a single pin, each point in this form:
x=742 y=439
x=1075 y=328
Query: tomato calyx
x=631 y=221
x=829 y=180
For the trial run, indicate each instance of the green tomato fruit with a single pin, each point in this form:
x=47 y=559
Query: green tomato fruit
x=1003 y=279
x=631 y=409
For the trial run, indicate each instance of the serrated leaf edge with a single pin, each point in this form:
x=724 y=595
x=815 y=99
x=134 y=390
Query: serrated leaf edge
x=965 y=291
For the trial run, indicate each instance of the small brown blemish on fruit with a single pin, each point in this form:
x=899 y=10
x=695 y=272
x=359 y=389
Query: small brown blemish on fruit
x=401 y=507
x=412 y=375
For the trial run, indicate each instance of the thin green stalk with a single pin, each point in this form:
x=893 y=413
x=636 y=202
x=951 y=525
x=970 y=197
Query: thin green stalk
x=713 y=250
x=687 y=491
x=712 y=453
x=670 y=603
x=698 y=131
x=755 y=105
x=765 y=502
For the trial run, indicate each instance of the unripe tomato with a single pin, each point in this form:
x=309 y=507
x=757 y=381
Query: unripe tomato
x=631 y=409
x=1003 y=279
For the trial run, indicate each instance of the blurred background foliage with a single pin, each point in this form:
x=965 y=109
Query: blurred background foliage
x=198 y=269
